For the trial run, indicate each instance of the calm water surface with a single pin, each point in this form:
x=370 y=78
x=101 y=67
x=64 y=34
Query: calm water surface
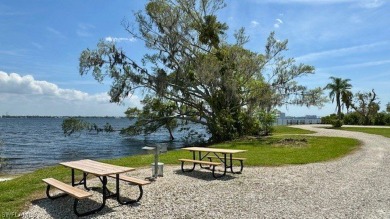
x=31 y=143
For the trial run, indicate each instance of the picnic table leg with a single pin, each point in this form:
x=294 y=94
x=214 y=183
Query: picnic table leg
x=73 y=183
x=76 y=201
x=200 y=158
x=53 y=197
x=118 y=193
x=189 y=170
x=224 y=168
x=231 y=165
x=83 y=181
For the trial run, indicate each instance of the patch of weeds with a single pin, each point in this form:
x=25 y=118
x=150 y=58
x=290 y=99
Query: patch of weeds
x=291 y=142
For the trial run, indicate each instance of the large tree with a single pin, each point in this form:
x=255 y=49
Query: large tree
x=193 y=74
x=339 y=92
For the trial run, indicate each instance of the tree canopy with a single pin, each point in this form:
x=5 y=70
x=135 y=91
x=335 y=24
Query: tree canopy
x=191 y=73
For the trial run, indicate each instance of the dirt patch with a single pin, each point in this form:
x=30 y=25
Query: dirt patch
x=291 y=142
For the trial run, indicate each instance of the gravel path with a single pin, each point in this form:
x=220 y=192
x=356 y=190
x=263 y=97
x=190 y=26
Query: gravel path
x=356 y=186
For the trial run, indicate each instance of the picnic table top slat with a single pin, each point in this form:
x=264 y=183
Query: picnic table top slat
x=214 y=150
x=97 y=168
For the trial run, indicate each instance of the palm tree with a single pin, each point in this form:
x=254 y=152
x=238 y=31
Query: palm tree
x=338 y=88
x=346 y=99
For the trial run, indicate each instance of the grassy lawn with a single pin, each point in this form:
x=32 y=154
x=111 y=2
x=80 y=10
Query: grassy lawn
x=377 y=131
x=271 y=151
x=283 y=129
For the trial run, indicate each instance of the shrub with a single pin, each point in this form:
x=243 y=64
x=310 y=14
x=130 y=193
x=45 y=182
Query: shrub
x=351 y=119
x=337 y=123
x=328 y=119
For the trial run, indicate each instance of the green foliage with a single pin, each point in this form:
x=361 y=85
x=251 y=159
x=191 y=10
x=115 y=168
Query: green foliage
x=333 y=120
x=379 y=119
x=356 y=118
x=195 y=75
x=339 y=92
x=366 y=105
x=353 y=118
x=267 y=120
x=73 y=125
x=337 y=123
x=329 y=119
x=155 y=114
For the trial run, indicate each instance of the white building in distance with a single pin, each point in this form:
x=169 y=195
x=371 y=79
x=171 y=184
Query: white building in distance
x=282 y=119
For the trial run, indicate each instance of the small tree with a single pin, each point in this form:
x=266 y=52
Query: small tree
x=366 y=105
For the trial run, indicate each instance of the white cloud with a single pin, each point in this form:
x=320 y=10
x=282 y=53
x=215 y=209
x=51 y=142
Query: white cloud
x=371 y=3
x=364 y=64
x=25 y=95
x=254 y=23
x=84 y=30
x=339 y=52
x=278 y=23
x=55 y=32
x=119 y=39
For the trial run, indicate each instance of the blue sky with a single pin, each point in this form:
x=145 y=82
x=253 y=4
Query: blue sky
x=40 y=43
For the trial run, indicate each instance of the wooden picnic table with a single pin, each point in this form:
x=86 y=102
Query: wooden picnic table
x=102 y=171
x=225 y=156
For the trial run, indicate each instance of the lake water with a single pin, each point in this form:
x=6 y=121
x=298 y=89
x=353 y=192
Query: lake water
x=31 y=143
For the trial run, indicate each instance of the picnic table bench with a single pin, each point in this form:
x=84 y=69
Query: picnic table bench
x=76 y=193
x=241 y=159
x=133 y=181
x=225 y=156
x=200 y=162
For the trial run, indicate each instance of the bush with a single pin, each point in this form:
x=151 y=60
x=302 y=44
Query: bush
x=379 y=119
x=328 y=119
x=351 y=119
x=387 y=119
x=337 y=123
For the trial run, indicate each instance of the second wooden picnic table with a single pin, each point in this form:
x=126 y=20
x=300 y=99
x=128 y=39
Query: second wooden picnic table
x=225 y=156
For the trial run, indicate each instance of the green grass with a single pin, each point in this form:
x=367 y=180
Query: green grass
x=283 y=129
x=270 y=152
x=16 y=193
x=377 y=131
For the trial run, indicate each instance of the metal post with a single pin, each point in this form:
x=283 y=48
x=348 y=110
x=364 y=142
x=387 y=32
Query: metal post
x=156 y=152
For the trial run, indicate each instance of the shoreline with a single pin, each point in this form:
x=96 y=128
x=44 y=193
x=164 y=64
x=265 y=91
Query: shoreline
x=7 y=177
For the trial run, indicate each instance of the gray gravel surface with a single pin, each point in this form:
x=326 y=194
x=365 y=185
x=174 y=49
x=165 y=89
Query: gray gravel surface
x=356 y=186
